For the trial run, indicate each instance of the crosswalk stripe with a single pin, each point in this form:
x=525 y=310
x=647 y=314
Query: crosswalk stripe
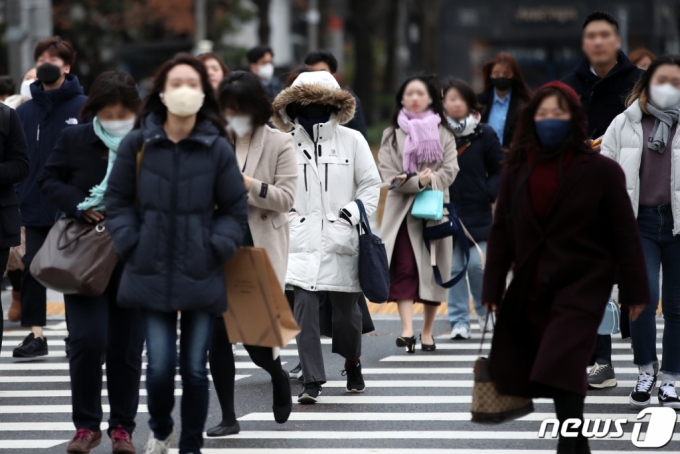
x=67 y=379
x=466 y=358
x=382 y=451
x=454 y=370
x=431 y=383
x=467 y=346
x=363 y=399
x=24 y=366
x=403 y=435
x=60 y=354
x=57 y=393
x=30 y=444
x=413 y=416
x=46 y=409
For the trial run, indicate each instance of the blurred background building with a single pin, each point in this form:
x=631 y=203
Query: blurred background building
x=378 y=42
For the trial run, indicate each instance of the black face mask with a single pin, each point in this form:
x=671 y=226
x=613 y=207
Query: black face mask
x=48 y=73
x=501 y=83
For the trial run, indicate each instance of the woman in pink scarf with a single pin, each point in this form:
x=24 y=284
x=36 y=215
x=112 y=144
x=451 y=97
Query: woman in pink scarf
x=418 y=152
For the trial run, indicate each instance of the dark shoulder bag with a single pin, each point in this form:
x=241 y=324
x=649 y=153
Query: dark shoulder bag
x=374 y=271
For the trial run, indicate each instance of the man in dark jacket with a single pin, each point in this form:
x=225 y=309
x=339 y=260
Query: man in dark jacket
x=605 y=75
x=13 y=169
x=57 y=99
x=261 y=63
x=323 y=60
x=603 y=79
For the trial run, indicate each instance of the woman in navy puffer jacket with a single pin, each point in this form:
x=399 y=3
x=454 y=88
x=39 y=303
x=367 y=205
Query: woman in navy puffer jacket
x=175 y=220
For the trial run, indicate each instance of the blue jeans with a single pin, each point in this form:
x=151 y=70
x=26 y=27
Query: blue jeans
x=160 y=329
x=459 y=295
x=662 y=250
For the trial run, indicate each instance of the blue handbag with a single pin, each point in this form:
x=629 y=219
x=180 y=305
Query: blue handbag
x=374 y=271
x=429 y=205
x=611 y=322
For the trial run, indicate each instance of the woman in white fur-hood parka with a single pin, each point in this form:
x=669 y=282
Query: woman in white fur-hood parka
x=335 y=167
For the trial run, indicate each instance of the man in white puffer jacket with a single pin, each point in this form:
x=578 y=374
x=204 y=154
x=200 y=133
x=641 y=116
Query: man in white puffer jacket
x=335 y=167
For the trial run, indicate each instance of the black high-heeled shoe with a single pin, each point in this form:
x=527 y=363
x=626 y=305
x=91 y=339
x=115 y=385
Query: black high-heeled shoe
x=408 y=342
x=223 y=429
x=282 y=412
x=427 y=347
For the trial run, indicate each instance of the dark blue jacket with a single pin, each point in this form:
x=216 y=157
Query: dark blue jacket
x=13 y=169
x=77 y=163
x=476 y=185
x=43 y=119
x=180 y=222
x=603 y=98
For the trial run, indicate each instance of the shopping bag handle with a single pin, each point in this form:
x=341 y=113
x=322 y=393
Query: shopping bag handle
x=486 y=323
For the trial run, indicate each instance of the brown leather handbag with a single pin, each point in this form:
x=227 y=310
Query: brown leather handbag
x=488 y=405
x=76 y=259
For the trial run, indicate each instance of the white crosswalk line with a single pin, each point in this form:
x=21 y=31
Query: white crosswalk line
x=467 y=358
x=30 y=444
x=57 y=393
x=67 y=379
x=382 y=451
x=363 y=399
x=467 y=346
x=25 y=366
x=39 y=409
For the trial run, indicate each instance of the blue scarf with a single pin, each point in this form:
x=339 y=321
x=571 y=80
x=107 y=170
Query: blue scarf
x=96 y=199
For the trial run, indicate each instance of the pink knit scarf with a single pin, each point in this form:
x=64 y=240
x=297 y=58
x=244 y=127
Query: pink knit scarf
x=422 y=138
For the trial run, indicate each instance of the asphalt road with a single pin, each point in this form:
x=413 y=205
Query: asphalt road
x=413 y=403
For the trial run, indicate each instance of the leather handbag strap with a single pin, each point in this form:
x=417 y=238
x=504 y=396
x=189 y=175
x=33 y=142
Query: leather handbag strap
x=486 y=323
x=462 y=241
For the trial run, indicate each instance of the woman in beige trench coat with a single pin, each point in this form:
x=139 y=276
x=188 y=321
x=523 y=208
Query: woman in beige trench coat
x=419 y=150
x=267 y=161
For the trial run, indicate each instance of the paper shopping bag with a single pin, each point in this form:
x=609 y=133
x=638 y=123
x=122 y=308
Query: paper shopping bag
x=257 y=311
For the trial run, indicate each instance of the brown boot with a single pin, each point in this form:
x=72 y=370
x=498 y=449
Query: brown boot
x=14 y=312
x=84 y=441
x=121 y=441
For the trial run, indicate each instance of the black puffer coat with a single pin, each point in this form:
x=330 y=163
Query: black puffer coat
x=476 y=185
x=189 y=220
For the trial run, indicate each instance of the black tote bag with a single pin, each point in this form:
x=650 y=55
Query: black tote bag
x=374 y=272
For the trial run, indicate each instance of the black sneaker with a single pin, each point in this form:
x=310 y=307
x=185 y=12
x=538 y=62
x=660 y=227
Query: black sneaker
x=668 y=397
x=355 y=381
x=641 y=395
x=310 y=394
x=31 y=347
x=601 y=376
x=296 y=373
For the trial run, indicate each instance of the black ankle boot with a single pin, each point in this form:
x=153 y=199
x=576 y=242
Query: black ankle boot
x=223 y=429
x=283 y=402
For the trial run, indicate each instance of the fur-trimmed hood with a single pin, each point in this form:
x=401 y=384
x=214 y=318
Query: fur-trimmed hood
x=313 y=87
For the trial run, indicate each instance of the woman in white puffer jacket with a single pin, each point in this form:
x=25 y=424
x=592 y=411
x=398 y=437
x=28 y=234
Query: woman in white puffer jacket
x=645 y=142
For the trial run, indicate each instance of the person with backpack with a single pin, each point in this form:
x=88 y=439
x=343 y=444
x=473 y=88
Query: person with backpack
x=14 y=167
x=74 y=180
x=57 y=98
x=472 y=193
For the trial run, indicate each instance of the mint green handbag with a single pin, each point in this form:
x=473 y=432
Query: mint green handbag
x=429 y=204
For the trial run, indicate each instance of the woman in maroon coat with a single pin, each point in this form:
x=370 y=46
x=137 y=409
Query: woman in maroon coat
x=564 y=221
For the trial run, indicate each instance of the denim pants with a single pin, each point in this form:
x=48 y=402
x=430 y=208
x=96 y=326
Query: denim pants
x=459 y=294
x=160 y=329
x=662 y=250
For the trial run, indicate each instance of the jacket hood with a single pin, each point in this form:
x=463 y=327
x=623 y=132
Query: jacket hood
x=205 y=132
x=48 y=100
x=623 y=66
x=313 y=87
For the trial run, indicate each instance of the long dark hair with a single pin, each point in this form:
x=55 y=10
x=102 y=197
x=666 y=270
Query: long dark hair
x=111 y=87
x=210 y=110
x=641 y=89
x=525 y=138
x=437 y=106
x=519 y=86
x=465 y=91
x=242 y=91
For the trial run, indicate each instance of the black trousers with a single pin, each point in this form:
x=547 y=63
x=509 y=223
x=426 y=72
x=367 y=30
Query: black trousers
x=33 y=294
x=4 y=256
x=223 y=370
x=570 y=405
x=102 y=332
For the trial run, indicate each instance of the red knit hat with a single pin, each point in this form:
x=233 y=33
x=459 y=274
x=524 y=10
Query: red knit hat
x=562 y=87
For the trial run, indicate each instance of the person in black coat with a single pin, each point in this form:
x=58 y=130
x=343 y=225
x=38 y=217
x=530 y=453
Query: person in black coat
x=13 y=169
x=55 y=105
x=505 y=93
x=603 y=79
x=73 y=181
x=177 y=211
x=472 y=193
x=604 y=76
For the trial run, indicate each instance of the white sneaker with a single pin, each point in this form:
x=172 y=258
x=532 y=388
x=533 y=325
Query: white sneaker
x=460 y=332
x=489 y=324
x=155 y=446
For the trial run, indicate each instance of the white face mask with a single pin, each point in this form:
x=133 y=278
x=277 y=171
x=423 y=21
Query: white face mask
x=266 y=72
x=240 y=124
x=25 y=89
x=183 y=101
x=664 y=96
x=118 y=128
